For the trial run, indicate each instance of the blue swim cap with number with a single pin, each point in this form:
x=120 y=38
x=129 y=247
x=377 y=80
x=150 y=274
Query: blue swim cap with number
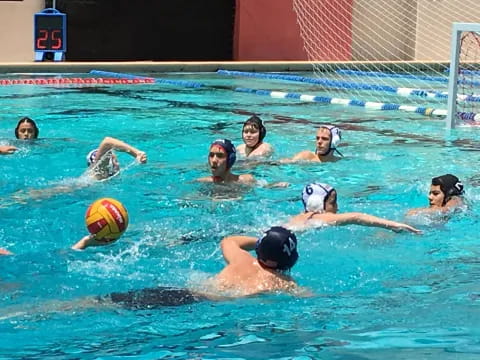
x=277 y=248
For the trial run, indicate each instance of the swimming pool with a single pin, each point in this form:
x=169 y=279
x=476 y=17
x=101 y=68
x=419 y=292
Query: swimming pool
x=378 y=294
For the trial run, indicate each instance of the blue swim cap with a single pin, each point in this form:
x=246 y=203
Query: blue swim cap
x=229 y=148
x=278 y=245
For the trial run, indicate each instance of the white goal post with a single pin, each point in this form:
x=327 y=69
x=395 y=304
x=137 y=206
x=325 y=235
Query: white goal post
x=463 y=62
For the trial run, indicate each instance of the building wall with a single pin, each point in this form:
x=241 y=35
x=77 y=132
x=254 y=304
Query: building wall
x=377 y=37
x=263 y=30
x=16 y=29
x=267 y=30
x=433 y=37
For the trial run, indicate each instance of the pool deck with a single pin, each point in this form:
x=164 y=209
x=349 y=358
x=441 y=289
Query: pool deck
x=196 y=66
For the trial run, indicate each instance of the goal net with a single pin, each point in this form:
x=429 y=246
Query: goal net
x=393 y=52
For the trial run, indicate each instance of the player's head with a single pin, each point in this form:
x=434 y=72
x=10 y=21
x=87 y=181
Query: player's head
x=319 y=198
x=277 y=249
x=449 y=185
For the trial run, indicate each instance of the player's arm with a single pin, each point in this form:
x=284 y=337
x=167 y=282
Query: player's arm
x=236 y=246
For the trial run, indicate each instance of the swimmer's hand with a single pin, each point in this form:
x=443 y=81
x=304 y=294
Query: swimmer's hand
x=398 y=227
x=141 y=157
x=5 y=252
x=87 y=241
x=7 y=149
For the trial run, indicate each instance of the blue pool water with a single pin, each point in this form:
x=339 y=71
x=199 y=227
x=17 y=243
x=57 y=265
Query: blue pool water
x=377 y=294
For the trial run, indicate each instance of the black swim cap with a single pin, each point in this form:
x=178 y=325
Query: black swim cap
x=229 y=148
x=257 y=122
x=279 y=245
x=450 y=186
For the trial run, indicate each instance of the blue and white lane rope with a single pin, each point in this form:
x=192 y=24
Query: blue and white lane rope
x=339 y=84
x=351 y=85
x=349 y=102
x=189 y=84
x=305 y=97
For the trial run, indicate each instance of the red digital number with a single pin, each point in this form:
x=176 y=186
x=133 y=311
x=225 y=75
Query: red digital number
x=56 y=40
x=41 y=41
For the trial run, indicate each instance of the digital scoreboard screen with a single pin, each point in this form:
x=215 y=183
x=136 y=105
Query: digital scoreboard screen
x=49 y=32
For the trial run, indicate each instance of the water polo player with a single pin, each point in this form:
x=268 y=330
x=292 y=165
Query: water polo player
x=253 y=134
x=445 y=194
x=221 y=157
x=320 y=205
x=327 y=139
x=103 y=163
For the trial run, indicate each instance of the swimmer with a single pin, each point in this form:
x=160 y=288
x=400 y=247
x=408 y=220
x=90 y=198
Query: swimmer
x=327 y=139
x=445 y=194
x=253 y=133
x=221 y=157
x=320 y=203
x=26 y=129
x=103 y=163
x=243 y=275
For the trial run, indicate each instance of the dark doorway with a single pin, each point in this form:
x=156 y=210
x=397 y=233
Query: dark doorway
x=158 y=30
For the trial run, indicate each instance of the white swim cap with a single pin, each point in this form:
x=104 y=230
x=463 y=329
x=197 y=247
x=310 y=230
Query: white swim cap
x=314 y=196
x=335 y=135
x=91 y=156
x=111 y=168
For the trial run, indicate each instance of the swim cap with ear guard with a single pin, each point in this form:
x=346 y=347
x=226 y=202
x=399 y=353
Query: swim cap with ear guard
x=335 y=137
x=450 y=186
x=111 y=169
x=315 y=195
x=229 y=148
x=278 y=245
x=257 y=122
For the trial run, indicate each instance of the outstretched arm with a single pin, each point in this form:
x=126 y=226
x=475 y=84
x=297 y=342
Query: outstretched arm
x=236 y=246
x=110 y=143
x=370 y=220
x=7 y=149
x=88 y=241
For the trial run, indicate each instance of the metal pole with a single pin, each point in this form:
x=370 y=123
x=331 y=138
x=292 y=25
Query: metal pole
x=54 y=4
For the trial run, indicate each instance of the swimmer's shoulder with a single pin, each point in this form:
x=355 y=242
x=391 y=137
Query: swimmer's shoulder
x=246 y=179
x=305 y=155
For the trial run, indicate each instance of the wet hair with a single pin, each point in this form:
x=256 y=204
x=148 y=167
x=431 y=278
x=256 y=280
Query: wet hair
x=229 y=148
x=256 y=123
x=29 y=121
x=278 y=245
x=450 y=186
